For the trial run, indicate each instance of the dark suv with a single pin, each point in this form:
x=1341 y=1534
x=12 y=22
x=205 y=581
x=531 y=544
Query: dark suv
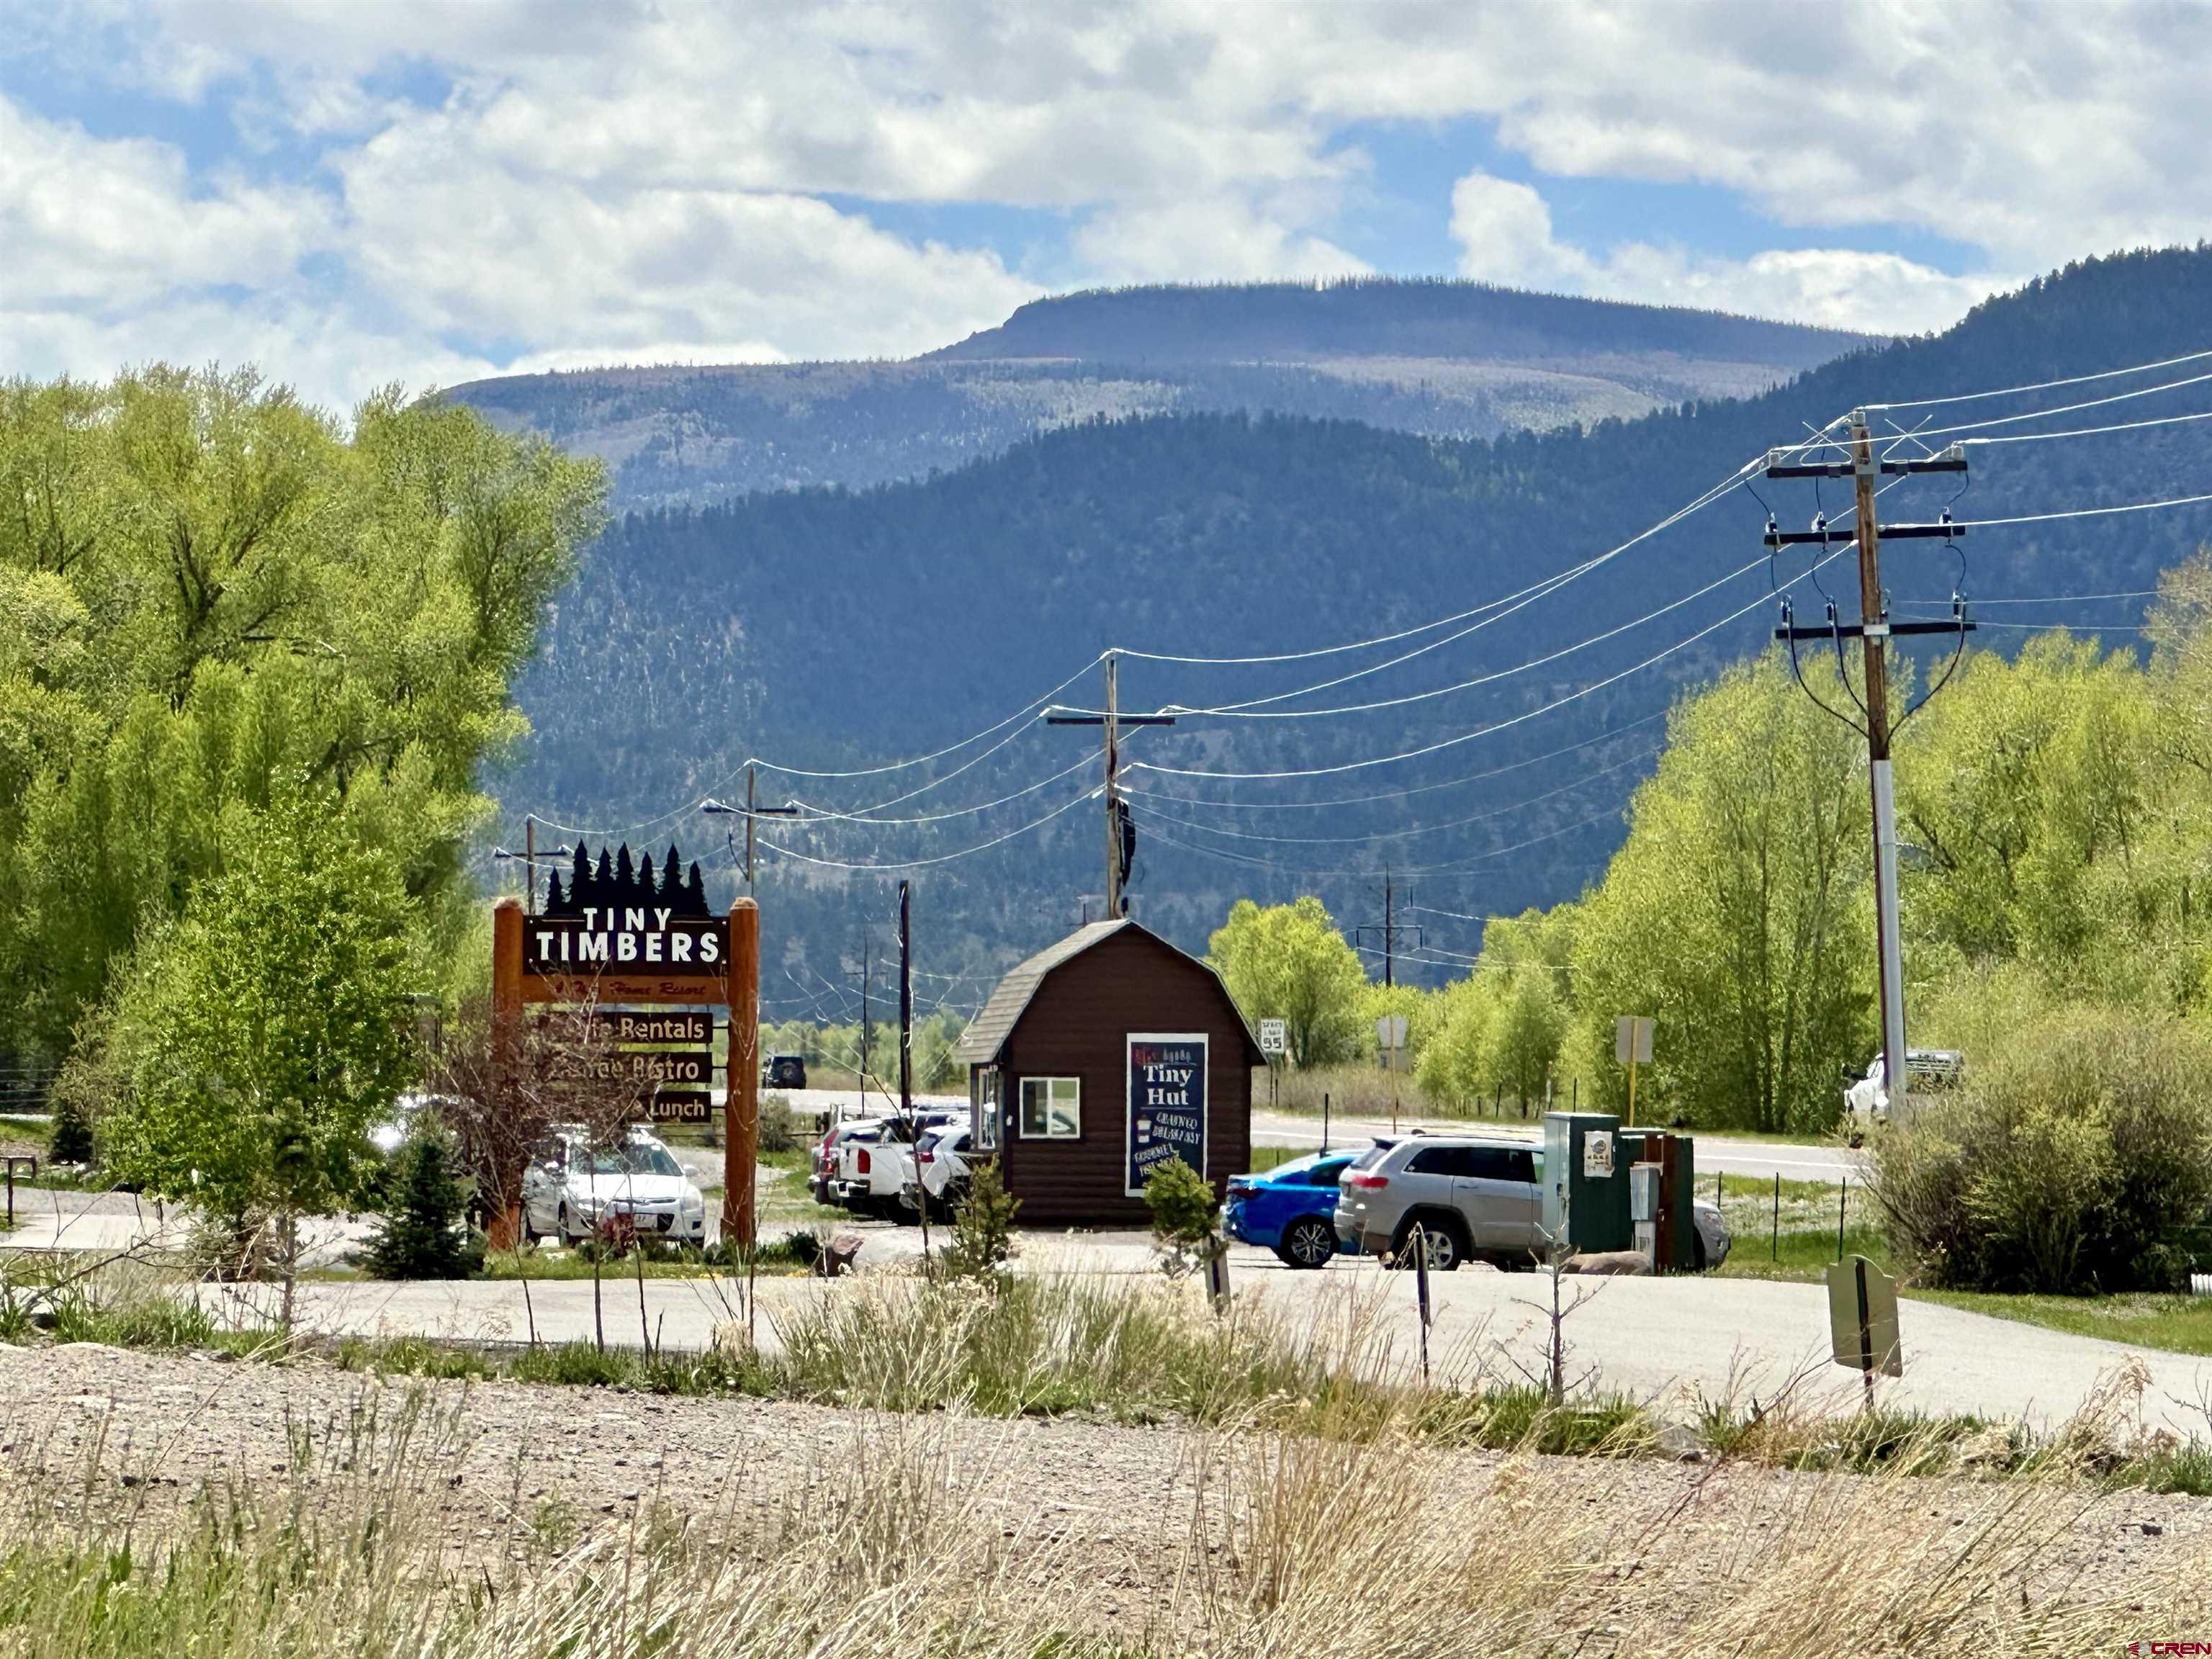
x=784 y=1072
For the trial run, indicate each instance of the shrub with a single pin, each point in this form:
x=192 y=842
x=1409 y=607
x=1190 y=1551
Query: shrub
x=778 y=1124
x=2075 y=1158
x=982 y=1241
x=423 y=1234
x=71 y=1138
x=1181 y=1203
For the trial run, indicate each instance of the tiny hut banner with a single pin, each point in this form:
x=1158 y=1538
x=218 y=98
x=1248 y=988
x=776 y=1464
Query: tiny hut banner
x=1167 y=1103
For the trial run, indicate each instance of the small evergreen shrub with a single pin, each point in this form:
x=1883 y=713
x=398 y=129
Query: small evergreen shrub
x=982 y=1241
x=778 y=1124
x=1181 y=1203
x=424 y=1233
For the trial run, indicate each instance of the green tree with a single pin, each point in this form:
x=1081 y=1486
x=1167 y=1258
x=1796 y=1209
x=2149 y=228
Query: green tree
x=1289 y=963
x=424 y=1233
x=208 y=591
x=1738 y=911
x=268 y=1029
x=1525 y=1036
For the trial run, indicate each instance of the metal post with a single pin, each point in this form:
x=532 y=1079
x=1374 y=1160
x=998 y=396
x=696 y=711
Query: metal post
x=1324 y=1120
x=1842 y=1204
x=1389 y=936
x=1774 y=1249
x=1421 y=1288
x=741 y=1081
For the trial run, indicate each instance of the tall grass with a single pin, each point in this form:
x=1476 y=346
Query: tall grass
x=1266 y=1544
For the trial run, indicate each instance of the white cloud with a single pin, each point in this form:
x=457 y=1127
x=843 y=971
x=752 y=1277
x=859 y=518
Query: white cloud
x=602 y=181
x=1505 y=235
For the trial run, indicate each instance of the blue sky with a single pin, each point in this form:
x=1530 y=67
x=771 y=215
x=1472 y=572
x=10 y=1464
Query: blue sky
x=353 y=194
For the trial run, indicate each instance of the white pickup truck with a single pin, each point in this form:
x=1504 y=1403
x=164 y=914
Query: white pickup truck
x=1867 y=1101
x=872 y=1164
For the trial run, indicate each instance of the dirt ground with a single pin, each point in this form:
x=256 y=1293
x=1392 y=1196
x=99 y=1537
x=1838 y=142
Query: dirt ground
x=89 y=1429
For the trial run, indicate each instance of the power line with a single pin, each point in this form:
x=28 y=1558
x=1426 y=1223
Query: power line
x=2084 y=512
x=941 y=858
x=1496 y=726
x=2044 y=385
x=1415 y=789
x=2088 y=431
x=2046 y=414
x=1244 y=712
x=1416 y=830
x=1456 y=868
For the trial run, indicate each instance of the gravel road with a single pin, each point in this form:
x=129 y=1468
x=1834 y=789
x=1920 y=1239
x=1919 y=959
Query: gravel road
x=133 y=1428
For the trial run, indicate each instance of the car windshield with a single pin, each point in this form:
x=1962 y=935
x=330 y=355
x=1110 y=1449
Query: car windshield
x=637 y=1158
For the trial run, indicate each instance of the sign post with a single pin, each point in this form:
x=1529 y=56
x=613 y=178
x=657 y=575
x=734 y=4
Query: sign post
x=650 y=961
x=1167 y=1104
x=1862 y=1321
x=1632 y=1047
x=1390 y=1043
x=1274 y=1042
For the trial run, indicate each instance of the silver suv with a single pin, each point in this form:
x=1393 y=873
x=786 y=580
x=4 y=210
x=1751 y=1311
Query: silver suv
x=1473 y=1196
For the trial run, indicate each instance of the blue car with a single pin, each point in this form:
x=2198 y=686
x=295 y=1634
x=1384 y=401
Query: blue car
x=1291 y=1209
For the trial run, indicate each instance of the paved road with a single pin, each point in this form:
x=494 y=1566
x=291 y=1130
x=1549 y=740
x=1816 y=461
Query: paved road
x=1665 y=1341
x=1791 y=1160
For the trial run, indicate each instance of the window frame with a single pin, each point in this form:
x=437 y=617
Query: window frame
x=1051 y=1084
x=983 y=1108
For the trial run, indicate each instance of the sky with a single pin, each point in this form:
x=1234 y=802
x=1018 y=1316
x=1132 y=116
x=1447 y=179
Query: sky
x=427 y=191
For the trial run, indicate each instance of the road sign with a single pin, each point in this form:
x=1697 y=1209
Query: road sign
x=1863 y=1319
x=1632 y=1040
x=1274 y=1036
x=1391 y=1031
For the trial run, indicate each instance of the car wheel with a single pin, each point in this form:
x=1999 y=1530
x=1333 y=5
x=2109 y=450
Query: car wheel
x=1309 y=1241
x=1697 y=1251
x=1443 y=1245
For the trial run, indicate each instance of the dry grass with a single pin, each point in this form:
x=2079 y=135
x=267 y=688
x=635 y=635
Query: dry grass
x=1272 y=1544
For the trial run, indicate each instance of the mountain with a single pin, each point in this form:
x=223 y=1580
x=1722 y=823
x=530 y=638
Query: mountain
x=1455 y=360
x=838 y=629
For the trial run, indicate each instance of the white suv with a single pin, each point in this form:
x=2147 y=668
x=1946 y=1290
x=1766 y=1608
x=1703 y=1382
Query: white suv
x=938 y=1171
x=1472 y=1197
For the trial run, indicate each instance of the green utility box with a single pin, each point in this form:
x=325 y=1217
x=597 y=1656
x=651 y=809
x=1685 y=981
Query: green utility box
x=1676 y=1153
x=1586 y=1182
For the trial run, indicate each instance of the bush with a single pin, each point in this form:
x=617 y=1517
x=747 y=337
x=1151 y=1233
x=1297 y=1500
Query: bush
x=424 y=1233
x=2075 y=1158
x=1181 y=1203
x=69 y=1141
x=982 y=1241
x=778 y=1124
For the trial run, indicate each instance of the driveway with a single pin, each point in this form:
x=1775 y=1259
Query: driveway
x=1665 y=1341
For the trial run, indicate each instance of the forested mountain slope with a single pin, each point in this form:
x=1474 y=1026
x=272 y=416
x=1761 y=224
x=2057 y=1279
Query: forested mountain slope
x=1441 y=359
x=837 y=631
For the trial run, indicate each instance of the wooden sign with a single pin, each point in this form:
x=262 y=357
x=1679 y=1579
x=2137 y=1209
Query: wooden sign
x=681 y=1106
x=623 y=1027
x=614 y=917
x=640 y=1073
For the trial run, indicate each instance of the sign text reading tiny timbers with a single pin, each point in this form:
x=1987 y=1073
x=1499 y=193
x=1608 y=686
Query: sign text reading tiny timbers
x=617 y=917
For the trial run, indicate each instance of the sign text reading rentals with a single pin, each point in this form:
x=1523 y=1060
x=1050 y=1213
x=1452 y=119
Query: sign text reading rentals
x=1167 y=1103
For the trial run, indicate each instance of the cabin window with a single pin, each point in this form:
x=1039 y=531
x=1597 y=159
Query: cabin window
x=1051 y=1109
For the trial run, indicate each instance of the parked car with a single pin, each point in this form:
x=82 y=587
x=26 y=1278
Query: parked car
x=937 y=1171
x=1472 y=1197
x=571 y=1189
x=1714 y=1239
x=1867 y=1101
x=1291 y=1209
x=784 y=1072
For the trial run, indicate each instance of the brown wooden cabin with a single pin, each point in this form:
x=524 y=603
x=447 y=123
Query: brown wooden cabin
x=1066 y=1058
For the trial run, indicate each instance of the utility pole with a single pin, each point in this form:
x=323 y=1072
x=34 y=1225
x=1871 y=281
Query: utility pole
x=749 y=812
x=1388 y=930
x=906 y=1058
x=1121 y=832
x=530 y=863
x=1873 y=632
x=868 y=1025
